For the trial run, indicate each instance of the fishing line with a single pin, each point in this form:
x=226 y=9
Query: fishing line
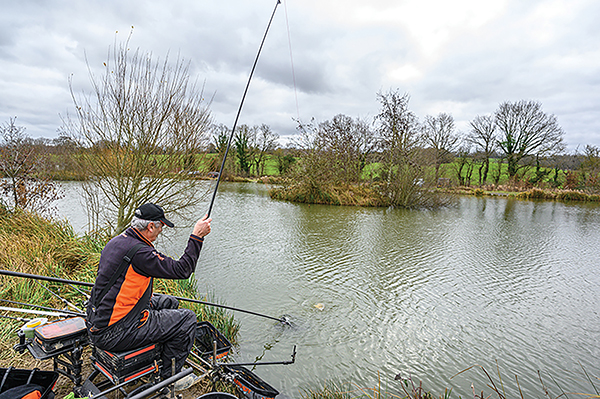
x=291 y=59
x=240 y=111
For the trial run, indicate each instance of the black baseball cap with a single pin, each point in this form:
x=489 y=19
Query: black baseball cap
x=153 y=213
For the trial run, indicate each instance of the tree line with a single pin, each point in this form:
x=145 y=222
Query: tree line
x=403 y=158
x=251 y=147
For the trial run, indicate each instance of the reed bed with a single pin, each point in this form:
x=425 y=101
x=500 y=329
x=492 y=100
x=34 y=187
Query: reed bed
x=558 y=195
x=531 y=194
x=329 y=194
x=408 y=389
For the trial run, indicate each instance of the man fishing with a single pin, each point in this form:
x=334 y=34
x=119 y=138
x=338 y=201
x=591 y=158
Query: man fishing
x=122 y=313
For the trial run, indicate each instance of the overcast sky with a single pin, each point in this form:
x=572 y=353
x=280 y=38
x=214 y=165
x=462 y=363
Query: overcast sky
x=463 y=57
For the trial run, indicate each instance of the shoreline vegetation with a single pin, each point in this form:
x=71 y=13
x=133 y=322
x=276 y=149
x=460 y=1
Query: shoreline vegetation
x=530 y=194
x=369 y=195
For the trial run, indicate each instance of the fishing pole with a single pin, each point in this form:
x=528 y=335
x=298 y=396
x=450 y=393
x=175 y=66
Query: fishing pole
x=85 y=294
x=67 y=303
x=39 y=312
x=16 y=318
x=240 y=111
x=282 y=319
x=38 y=306
x=45 y=278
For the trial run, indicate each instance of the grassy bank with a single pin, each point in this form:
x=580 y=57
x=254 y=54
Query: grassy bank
x=32 y=244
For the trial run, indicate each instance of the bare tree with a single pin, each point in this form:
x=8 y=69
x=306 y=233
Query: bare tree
x=265 y=141
x=347 y=143
x=334 y=152
x=526 y=133
x=438 y=133
x=140 y=132
x=402 y=172
x=464 y=164
x=23 y=164
x=63 y=150
x=483 y=137
x=312 y=175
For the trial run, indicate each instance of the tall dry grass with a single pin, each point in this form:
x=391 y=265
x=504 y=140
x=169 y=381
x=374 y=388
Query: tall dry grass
x=329 y=194
x=558 y=195
x=32 y=244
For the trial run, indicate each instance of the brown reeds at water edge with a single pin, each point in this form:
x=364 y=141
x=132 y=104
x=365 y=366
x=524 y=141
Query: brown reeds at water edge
x=560 y=195
x=531 y=194
x=408 y=389
x=32 y=244
x=353 y=195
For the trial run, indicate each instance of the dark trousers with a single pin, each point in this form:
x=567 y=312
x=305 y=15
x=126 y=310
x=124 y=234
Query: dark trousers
x=174 y=328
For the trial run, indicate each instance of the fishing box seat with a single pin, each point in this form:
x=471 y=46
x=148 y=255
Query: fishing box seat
x=63 y=342
x=126 y=366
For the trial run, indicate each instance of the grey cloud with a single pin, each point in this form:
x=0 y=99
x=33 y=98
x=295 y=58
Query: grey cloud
x=339 y=65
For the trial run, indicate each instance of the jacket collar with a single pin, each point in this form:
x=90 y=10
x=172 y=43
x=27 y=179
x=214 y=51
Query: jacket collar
x=136 y=233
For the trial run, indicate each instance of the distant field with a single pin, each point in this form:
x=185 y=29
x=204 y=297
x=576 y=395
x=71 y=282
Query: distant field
x=271 y=167
x=206 y=163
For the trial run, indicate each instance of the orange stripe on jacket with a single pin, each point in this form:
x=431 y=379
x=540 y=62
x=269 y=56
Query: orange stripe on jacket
x=33 y=395
x=130 y=293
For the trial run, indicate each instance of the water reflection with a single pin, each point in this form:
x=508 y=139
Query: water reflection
x=424 y=293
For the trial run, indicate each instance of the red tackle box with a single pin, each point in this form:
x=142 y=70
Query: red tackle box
x=124 y=366
x=56 y=336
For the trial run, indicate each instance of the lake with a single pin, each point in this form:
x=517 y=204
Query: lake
x=377 y=292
